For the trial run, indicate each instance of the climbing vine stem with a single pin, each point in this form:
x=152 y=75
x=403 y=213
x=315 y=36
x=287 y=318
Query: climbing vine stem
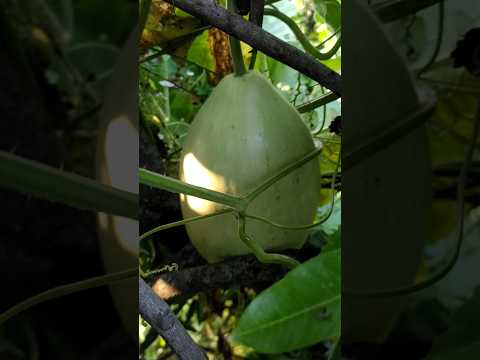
x=163 y=182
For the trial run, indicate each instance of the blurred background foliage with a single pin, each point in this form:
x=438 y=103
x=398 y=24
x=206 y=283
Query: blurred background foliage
x=56 y=58
x=438 y=315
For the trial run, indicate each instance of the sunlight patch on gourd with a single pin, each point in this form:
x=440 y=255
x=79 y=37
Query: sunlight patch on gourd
x=197 y=174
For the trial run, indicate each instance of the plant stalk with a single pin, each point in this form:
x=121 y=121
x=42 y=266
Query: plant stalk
x=235 y=47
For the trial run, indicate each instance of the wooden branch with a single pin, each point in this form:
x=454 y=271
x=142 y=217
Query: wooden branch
x=157 y=313
x=258 y=38
x=195 y=275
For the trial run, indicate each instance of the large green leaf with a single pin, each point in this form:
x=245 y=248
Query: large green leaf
x=300 y=310
x=462 y=340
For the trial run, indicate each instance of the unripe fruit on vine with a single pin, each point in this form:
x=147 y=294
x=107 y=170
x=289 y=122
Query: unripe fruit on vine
x=244 y=133
x=117 y=166
x=387 y=196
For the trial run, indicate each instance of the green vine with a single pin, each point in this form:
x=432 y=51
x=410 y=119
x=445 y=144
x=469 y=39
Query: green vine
x=307 y=45
x=163 y=182
x=261 y=255
x=182 y=222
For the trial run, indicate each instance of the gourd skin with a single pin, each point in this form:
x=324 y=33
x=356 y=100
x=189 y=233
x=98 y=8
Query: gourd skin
x=244 y=133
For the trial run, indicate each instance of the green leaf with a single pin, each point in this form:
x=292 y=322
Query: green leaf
x=462 y=340
x=332 y=225
x=333 y=241
x=330 y=11
x=328 y=235
x=33 y=178
x=181 y=106
x=298 y=311
x=199 y=52
x=281 y=75
x=334 y=64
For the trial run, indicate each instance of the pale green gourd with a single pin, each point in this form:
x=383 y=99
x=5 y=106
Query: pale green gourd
x=244 y=133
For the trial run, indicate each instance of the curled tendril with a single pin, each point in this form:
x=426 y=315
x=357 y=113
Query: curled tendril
x=260 y=254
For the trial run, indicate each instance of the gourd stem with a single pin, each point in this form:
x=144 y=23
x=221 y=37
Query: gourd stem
x=68 y=289
x=258 y=251
x=282 y=173
x=235 y=48
x=182 y=222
